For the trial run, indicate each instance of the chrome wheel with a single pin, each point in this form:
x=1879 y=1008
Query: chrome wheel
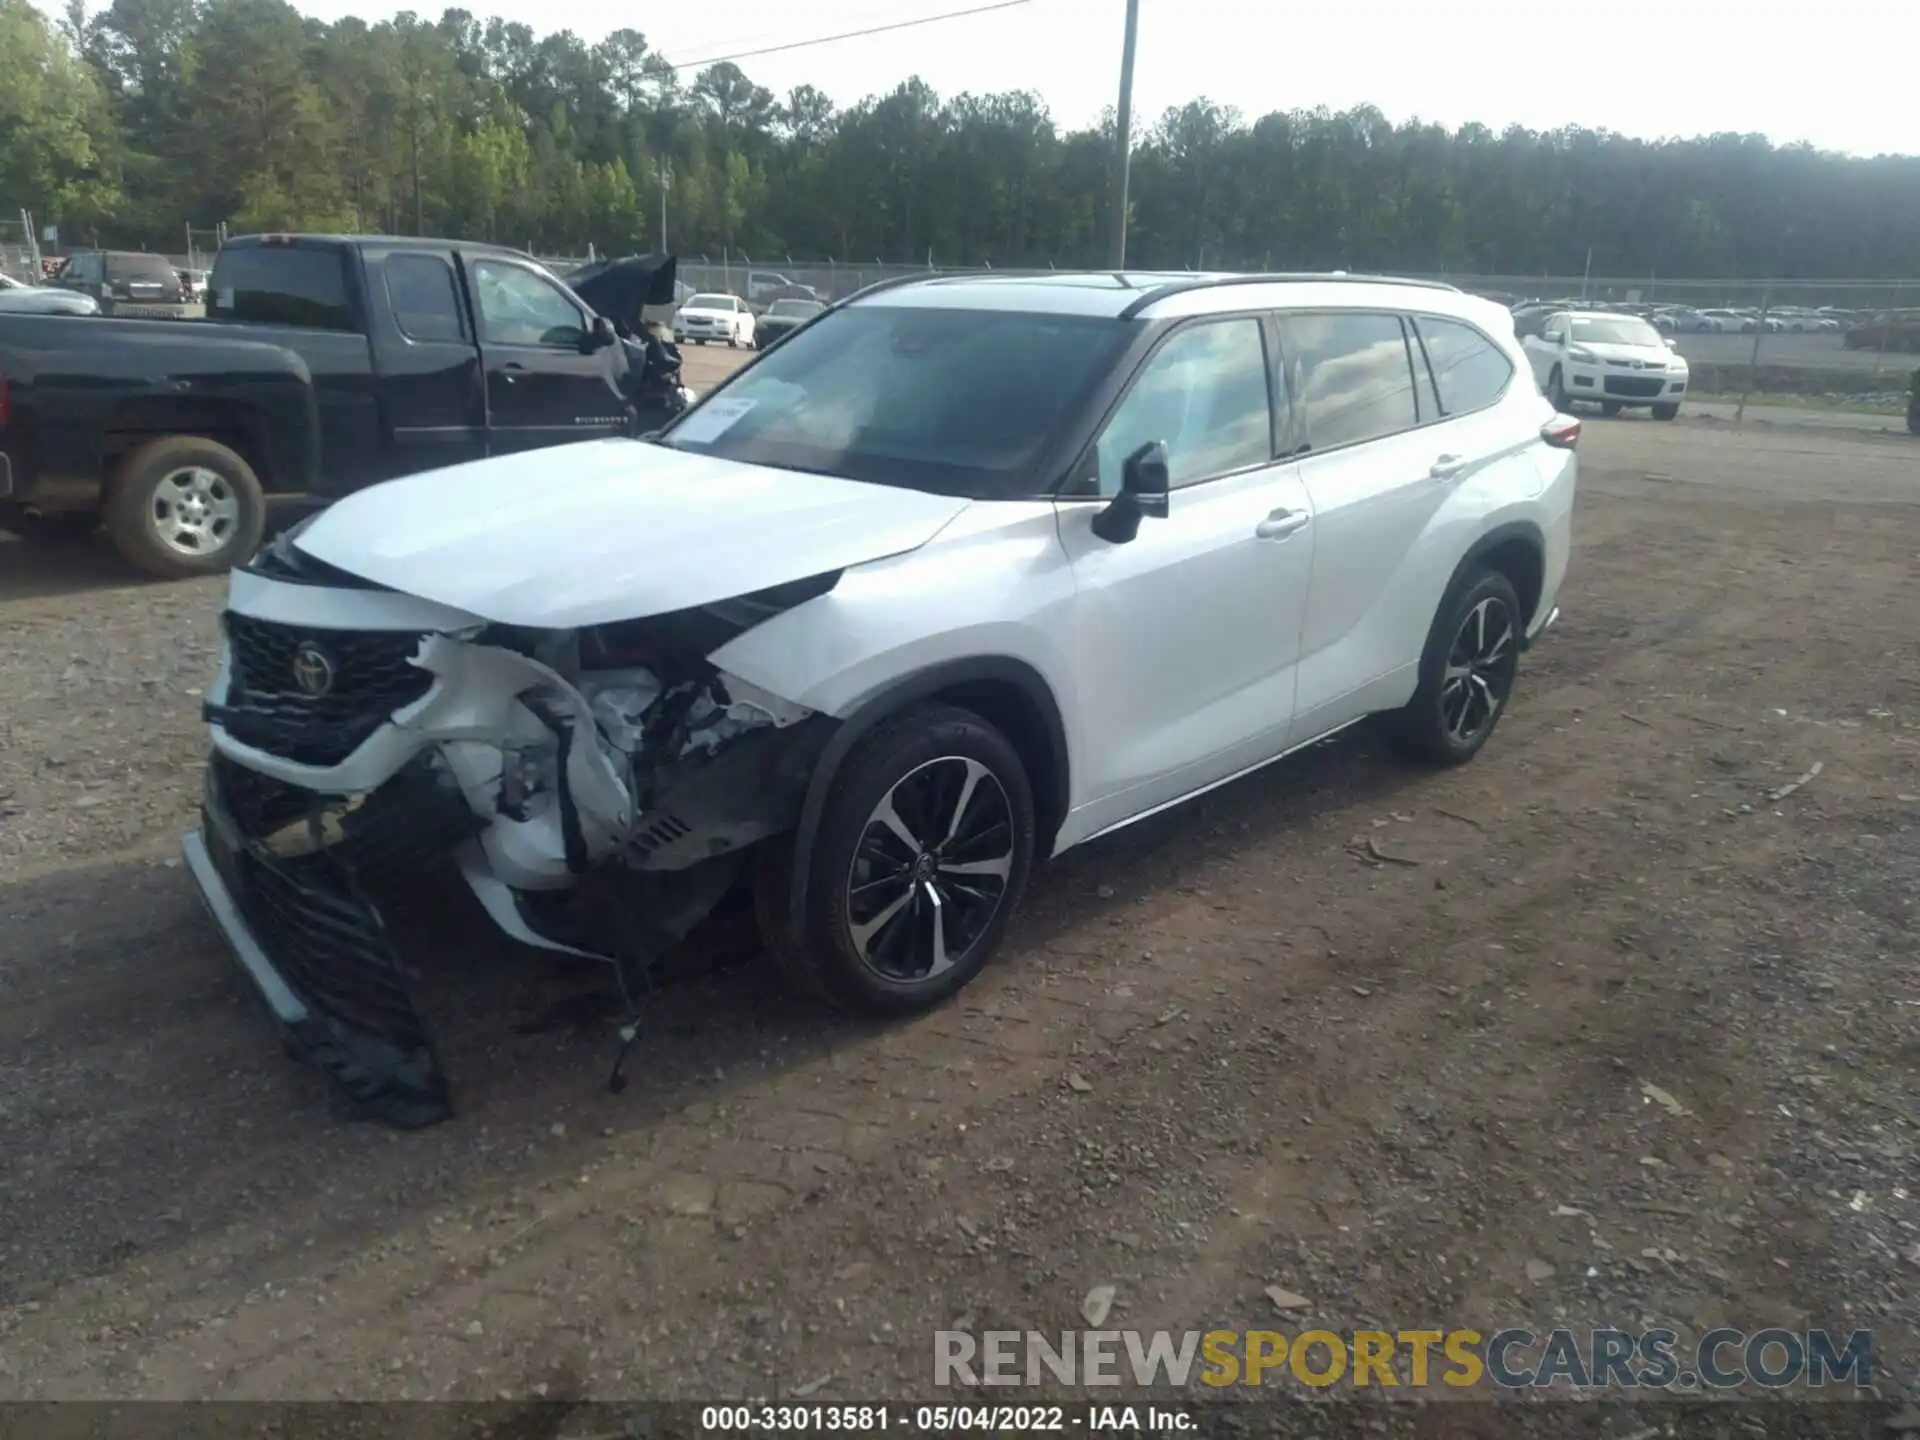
x=195 y=511
x=1480 y=670
x=931 y=869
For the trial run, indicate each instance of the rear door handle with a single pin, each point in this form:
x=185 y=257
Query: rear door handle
x=1447 y=467
x=511 y=373
x=1280 y=524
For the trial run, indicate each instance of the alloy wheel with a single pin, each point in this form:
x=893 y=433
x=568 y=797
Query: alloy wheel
x=931 y=868
x=195 y=510
x=1480 y=671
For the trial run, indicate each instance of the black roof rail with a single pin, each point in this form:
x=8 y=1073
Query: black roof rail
x=1339 y=277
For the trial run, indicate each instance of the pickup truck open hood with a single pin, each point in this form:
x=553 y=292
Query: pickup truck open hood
x=612 y=530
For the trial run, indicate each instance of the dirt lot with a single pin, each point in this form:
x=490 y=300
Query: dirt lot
x=1226 y=1051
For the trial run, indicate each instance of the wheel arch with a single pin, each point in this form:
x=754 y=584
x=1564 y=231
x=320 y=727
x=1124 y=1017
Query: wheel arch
x=1518 y=550
x=1006 y=692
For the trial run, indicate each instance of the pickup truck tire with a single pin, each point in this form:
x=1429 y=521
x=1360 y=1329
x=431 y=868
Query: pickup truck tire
x=182 y=505
x=1666 y=412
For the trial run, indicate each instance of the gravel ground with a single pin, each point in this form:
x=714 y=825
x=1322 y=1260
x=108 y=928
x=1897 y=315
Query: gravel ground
x=1594 y=1031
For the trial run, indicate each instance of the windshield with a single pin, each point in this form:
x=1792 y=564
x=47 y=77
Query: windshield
x=960 y=402
x=1616 y=332
x=710 y=302
x=795 y=307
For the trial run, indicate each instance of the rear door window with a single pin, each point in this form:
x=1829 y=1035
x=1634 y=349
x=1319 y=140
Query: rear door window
x=426 y=306
x=281 y=285
x=1350 y=376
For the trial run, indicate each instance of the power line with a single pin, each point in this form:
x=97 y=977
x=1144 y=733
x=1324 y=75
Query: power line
x=848 y=35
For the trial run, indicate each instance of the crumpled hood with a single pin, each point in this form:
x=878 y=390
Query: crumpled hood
x=1652 y=357
x=612 y=530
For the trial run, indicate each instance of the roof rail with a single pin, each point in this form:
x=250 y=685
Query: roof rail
x=890 y=282
x=1338 y=277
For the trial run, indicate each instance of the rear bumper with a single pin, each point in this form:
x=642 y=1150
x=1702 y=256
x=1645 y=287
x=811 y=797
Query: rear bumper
x=1541 y=625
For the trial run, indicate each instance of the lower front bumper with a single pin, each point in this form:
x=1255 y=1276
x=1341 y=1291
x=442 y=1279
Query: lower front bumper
x=317 y=950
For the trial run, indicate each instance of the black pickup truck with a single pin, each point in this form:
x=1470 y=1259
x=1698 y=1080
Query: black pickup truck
x=326 y=363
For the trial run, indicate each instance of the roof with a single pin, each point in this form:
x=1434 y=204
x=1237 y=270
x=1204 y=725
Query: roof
x=471 y=247
x=1162 y=295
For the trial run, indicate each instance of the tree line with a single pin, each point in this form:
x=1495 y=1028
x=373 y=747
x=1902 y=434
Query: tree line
x=128 y=123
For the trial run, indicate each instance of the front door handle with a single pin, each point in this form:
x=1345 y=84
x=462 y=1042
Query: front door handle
x=511 y=372
x=1280 y=524
x=1447 y=467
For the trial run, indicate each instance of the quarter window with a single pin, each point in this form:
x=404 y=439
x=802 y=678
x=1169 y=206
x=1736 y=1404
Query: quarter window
x=1469 y=369
x=1350 y=376
x=425 y=304
x=518 y=307
x=1206 y=397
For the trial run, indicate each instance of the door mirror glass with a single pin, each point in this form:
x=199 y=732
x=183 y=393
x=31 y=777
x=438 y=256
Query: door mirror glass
x=600 y=334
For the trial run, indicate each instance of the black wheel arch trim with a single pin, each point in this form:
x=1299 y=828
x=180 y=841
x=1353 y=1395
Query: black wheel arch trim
x=923 y=685
x=1523 y=530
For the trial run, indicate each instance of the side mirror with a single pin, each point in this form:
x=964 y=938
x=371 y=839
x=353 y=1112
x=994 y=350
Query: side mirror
x=1143 y=492
x=601 y=334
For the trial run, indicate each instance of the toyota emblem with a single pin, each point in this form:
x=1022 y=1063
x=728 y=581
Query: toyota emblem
x=312 y=670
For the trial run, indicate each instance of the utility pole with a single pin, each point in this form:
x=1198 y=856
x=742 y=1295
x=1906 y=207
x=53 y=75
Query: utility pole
x=666 y=181
x=1123 y=137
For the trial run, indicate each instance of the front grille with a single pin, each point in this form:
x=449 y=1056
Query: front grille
x=258 y=803
x=371 y=676
x=1635 y=387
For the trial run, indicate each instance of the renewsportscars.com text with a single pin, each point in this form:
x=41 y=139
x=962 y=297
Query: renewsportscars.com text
x=1511 y=1359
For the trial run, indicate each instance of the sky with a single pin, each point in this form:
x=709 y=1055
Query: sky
x=1830 y=74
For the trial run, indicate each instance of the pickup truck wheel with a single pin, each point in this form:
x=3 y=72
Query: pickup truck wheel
x=182 y=506
x=1665 y=412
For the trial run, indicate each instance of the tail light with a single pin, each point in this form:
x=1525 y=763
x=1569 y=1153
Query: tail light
x=1562 y=432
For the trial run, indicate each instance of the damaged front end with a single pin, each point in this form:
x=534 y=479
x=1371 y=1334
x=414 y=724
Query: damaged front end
x=598 y=790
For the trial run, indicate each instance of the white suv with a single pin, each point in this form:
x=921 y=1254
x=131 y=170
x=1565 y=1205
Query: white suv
x=1614 y=361
x=966 y=572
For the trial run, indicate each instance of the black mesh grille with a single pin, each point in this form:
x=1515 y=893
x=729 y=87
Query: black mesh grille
x=258 y=803
x=1636 y=386
x=371 y=673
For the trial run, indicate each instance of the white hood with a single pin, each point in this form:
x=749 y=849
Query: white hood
x=1652 y=357
x=612 y=530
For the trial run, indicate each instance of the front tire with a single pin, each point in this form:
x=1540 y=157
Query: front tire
x=1466 y=672
x=922 y=855
x=1666 y=412
x=182 y=505
x=1557 y=392
x=1611 y=409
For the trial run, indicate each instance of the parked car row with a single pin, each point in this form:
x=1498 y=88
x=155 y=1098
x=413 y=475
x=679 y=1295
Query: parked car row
x=1673 y=319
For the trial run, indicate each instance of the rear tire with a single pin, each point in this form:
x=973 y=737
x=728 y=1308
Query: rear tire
x=182 y=505
x=934 y=802
x=1666 y=412
x=1466 y=672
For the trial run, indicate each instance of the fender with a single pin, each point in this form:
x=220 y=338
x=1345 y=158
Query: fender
x=895 y=697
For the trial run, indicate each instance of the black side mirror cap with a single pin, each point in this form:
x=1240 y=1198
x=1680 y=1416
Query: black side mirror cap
x=601 y=334
x=1144 y=483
